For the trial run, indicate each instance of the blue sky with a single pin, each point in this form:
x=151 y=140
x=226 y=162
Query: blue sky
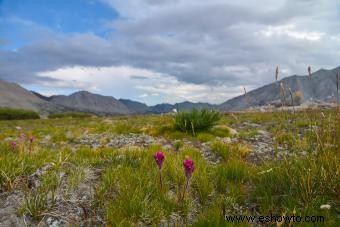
x=64 y=16
x=164 y=51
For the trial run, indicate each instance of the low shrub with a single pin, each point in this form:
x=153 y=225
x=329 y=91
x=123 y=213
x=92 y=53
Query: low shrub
x=17 y=114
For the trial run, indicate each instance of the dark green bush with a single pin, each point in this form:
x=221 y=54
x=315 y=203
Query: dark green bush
x=17 y=114
x=69 y=115
x=196 y=120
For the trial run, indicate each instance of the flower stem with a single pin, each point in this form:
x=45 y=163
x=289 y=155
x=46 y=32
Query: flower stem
x=160 y=179
x=185 y=189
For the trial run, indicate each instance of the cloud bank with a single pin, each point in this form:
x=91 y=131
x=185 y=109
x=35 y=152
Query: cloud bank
x=170 y=51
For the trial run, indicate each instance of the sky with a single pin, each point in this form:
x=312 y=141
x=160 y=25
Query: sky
x=157 y=51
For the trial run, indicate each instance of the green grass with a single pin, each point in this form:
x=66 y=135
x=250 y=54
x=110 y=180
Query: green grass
x=69 y=115
x=127 y=191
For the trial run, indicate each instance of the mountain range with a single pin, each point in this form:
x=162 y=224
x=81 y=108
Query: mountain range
x=320 y=86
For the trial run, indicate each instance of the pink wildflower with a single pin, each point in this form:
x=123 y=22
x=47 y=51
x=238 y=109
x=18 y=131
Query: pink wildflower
x=13 y=145
x=189 y=167
x=159 y=158
x=22 y=137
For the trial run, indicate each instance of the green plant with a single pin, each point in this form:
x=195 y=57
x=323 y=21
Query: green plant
x=220 y=131
x=50 y=183
x=196 y=120
x=34 y=205
x=17 y=114
x=205 y=137
x=222 y=150
x=178 y=144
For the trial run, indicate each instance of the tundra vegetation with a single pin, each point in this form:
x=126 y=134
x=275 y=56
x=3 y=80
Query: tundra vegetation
x=16 y=114
x=183 y=169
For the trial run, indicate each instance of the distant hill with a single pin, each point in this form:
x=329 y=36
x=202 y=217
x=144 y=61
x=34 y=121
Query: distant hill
x=84 y=101
x=320 y=87
x=183 y=106
x=14 y=96
x=135 y=107
x=43 y=97
x=161 y=108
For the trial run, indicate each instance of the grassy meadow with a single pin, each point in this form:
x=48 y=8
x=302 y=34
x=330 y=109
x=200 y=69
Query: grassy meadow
x=100 y=171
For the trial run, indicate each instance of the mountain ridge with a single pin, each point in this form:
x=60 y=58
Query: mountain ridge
x=85 y=101
x=321 y=86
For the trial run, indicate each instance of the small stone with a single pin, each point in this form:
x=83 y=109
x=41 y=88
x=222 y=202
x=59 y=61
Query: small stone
x=262 y=132
x=51 y=222
x=225 y=140
x=167 y=147
x=232 y=131
x=325 y=207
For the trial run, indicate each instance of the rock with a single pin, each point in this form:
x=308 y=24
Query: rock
x=208 y=154
x=226 y=140
x=9 y=203
x=262 y=132
x=130 y=140
x=262 y=148
x=118 y=141
x=9 y=139
x=232 y=131
x=251 y=125
x=53 y=222
x=325 y=207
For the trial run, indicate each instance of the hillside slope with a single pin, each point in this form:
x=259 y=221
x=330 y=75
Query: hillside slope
x=14 y=96
x=320 y=87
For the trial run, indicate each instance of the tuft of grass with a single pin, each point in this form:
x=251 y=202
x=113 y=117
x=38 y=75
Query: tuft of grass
x=14 y=166
x=34 y=205
x=222 y=150
x=235 y=171
x=205 y=137
x=220 y=131
x=50 y=183
x=196 y=120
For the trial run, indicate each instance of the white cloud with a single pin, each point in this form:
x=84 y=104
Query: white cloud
x=116 y=81
x=291 y=31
